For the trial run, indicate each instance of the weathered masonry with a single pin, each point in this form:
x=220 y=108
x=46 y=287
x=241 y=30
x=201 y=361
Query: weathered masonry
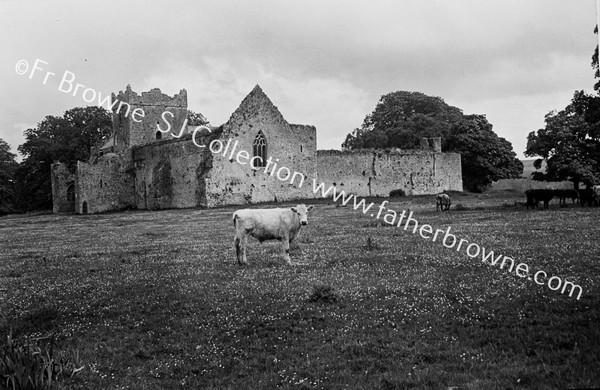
x=140 y=167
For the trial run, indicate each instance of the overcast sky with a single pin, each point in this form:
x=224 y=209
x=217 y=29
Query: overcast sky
x=323 y=63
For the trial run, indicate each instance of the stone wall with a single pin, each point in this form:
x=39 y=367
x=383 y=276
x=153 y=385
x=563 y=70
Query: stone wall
x=148 y=173
x=62 y=179
x=171 y=173
x=105 y=185
x=290 y=147
x=377 y=173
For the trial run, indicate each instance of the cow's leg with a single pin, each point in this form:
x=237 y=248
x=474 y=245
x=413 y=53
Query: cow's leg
x=244 y=242
x=236 y=244
x=285 y=242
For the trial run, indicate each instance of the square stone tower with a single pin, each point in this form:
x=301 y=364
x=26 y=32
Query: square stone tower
x=135 y=117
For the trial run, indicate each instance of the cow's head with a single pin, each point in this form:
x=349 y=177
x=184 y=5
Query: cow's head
x=302 y=212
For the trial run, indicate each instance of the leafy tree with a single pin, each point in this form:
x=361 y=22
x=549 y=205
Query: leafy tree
x=569 y=143
x=67 y=139
x=8 y=165
x=196 y=119
x=402 y=118
x=485 y=156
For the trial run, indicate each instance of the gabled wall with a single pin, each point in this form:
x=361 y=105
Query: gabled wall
x=289 y=146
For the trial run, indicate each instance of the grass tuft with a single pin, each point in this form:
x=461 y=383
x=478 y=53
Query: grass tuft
x=371 y=244
x=323 y=293
x=32 y=366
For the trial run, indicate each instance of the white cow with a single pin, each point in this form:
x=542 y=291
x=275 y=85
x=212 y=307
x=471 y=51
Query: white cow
x=443 y=202
x=268 y=224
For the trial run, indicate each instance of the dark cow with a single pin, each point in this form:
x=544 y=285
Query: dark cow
x=596 y=191
x=442 y=202
x=531 y=202
x=586 y=197
x=562 y=196
x=536 y=196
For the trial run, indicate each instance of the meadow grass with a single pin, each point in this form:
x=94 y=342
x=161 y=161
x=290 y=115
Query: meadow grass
x=156 y=300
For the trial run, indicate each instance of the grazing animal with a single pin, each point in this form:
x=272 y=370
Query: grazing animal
x=268 y=224
x=531 y=202
x=596 y=190
x=586 y=197
x=562 y=196
x=442 y=202
x=535 y=196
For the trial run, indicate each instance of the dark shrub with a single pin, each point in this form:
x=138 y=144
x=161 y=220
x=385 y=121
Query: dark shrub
x=323 y=293
x=398 y=192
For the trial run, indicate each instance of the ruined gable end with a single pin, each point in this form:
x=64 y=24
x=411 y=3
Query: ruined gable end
x=256 y=103
x=259 y=129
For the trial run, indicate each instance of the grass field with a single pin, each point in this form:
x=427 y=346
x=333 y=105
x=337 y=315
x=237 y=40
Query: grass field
x=156 y=300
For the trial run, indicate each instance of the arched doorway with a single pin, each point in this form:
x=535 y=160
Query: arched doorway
x=84 y=207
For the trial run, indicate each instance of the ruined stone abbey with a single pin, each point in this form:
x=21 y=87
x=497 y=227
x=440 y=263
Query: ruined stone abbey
x=141 y=167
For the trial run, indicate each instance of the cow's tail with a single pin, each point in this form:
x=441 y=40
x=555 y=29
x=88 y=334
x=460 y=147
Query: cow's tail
x=235 y=220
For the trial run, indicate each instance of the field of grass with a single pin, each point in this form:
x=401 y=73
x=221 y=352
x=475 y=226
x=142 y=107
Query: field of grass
x=156 y=300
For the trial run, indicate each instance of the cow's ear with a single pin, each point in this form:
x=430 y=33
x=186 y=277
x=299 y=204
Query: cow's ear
x=294 y=209
x=310 y=208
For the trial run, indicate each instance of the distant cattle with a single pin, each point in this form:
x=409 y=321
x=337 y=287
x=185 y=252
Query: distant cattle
x=586 y=197
x=531 y=202
x=281 y=224
x=596 y=190
x=563 y=195
x=442 y=202
x=534 y=196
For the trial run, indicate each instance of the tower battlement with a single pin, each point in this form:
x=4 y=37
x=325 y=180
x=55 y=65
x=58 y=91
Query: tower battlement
x=135 y=116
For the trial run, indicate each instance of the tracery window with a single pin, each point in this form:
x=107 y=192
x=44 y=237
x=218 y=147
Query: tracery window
x=260 y=150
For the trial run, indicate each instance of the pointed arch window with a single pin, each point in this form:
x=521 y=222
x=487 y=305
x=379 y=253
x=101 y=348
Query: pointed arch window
x=260 y=150
x=71 y=193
